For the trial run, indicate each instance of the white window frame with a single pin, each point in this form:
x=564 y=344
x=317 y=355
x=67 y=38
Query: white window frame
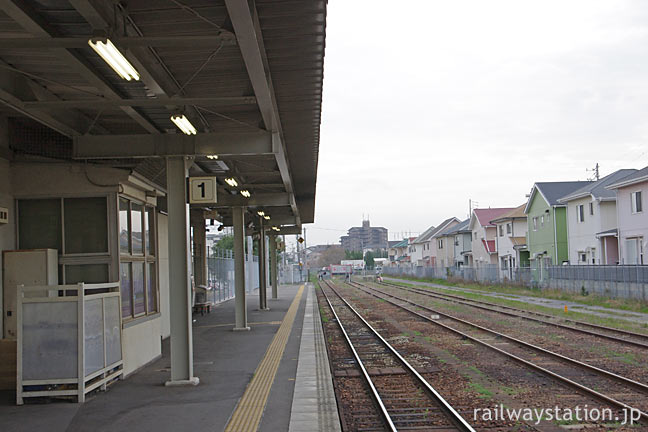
x=509 y=229
x=580 y=213
x=535 y=223
x=634 y=209
x=148 y=257
x=591 y=208
x=71 y=259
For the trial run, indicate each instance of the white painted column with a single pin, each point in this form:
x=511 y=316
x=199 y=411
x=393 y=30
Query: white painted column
x=274 y=268
x=263 y=279
x=179 y=272
x=240 y=308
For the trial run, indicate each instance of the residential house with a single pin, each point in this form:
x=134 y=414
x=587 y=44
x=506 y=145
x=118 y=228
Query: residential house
x=483 y=249
x=547 y=222
x=510 y=241
x=401 y=253
x=632 y=217
x=420 y=248
x=439 y=243
x=461 y=238
x=391 y=252
x=592 y=221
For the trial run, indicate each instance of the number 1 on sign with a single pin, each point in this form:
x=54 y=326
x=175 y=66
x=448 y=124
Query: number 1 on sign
x=202 y=189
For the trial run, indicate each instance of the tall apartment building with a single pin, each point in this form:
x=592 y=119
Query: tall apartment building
x=365 y=237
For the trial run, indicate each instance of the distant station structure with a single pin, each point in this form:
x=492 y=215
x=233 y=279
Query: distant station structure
x=365 y=237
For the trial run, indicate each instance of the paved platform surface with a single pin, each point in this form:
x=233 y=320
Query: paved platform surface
x=556 y=304
x=225 y=361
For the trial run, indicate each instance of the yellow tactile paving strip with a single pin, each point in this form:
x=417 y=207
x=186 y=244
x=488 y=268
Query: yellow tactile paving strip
x=248 y=412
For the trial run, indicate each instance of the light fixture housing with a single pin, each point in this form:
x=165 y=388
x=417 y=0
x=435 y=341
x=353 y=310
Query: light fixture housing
x=115 y=59
x=261 y=213
x=245 y=193
x=183 y=124
x=266 y=217
x=212 y=157
x=231 y=181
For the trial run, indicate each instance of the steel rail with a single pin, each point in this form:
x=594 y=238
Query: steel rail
x=455 y=417
x=462 y=300
x=585 y=389
x=374 y=392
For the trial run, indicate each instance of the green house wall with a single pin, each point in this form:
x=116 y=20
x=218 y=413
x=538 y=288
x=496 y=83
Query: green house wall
x=552 y=237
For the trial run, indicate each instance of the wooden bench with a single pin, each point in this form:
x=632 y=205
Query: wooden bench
x=202 y=308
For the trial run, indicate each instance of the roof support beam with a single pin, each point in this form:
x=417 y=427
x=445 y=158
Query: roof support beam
x=146 y=145
x=250 y=40
x=16 y=88
x=198 y=41
x=256 y=200
x=151 y=102
x=154 y=73
x=28 y=19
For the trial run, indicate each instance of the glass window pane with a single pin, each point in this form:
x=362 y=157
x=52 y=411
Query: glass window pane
x=87 y=273
x=124 y=229
x=126 y=289
x=149 y=228
x=138 y=287
x=39 y=224
x=151 y=288
x=136 y=228
x=86 y=225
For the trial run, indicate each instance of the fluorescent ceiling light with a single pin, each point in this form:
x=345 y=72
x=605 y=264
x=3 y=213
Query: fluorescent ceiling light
x=183 y=124
x=115 y=59
x=266 y=217
x=245 y=193
x=231 y=181
x=275 y=228
x=212 y=157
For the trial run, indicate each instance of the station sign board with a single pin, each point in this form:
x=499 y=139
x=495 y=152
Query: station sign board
x=202 y=190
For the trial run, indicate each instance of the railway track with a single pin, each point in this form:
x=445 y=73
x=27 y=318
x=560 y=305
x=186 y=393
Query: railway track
x=584 y=378
x=405 y=399
x=617 y=335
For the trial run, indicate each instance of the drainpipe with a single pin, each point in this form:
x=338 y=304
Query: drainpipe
x=556 y=232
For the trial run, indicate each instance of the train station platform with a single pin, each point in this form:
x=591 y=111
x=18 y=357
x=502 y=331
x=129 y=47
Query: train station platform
x=274 y=377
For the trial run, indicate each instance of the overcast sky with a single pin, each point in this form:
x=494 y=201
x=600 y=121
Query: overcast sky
x=430 y=103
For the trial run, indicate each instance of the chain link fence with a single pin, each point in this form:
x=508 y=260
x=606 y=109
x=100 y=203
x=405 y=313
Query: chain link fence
x=220 y=275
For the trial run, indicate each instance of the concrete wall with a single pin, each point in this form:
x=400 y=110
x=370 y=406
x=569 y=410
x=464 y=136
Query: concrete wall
x=141 y=344
x=623 y=290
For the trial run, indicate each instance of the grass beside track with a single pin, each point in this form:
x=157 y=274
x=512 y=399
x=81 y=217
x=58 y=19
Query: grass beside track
x=559 y=313
x=590 y=299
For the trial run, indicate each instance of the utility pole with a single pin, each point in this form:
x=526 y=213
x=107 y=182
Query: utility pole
x=594 y=170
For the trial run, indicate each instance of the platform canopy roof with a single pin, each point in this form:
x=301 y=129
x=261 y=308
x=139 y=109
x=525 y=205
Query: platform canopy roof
x=247 y=74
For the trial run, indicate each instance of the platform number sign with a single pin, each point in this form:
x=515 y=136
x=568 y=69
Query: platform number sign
x=202 y=190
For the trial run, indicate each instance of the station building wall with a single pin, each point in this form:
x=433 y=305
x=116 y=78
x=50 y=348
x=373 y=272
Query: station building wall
x=19 y=181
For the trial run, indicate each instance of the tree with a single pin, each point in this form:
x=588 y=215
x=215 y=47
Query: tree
x=332 y=255
x=369 y=260
x=225 y=243
x=352 y=255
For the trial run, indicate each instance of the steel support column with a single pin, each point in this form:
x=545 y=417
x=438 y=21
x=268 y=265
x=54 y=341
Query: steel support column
x=240 y=308
x=199 y=247
x=274 y=277
x=179 y=279
x=263 y=279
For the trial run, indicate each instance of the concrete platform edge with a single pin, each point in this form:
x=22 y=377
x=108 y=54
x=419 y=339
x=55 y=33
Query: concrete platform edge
x=313 y=363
